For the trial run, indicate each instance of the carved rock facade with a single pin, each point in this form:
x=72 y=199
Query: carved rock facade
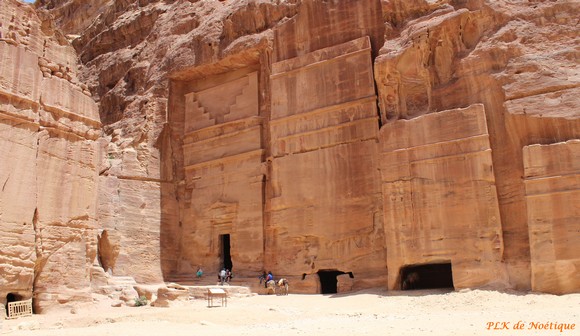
x=440 y=196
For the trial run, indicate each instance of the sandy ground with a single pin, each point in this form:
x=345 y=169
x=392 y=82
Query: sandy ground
x=362 y=313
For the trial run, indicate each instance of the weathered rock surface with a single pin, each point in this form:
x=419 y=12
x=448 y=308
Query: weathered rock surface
x=249 y=132
x=325 y=205
x=552 y=196
x=165 y=296
x=514 y=58
x=48 y=171
x=440 y=196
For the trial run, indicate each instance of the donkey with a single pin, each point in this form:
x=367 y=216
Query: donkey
x=283 y=286
x=271 y=287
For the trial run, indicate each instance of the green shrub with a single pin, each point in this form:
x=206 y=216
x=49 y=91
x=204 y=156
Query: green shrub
x=140 y=301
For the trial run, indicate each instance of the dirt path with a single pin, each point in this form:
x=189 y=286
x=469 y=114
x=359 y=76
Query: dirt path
x=361 y=313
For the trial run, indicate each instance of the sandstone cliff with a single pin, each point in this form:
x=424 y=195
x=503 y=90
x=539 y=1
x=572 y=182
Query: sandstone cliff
x=311 y=138
x=49 y=127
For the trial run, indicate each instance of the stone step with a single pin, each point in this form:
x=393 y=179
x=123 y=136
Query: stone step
x=192 y=281
x=122 y=278
x=177 y=278
x=253 y=284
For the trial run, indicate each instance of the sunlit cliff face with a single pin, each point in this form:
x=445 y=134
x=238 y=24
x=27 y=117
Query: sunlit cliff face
x=350 y=140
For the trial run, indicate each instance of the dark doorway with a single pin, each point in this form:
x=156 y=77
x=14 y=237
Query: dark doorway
x=225 y=252
x=427 y=276
x=11 y=297
x=328 y=281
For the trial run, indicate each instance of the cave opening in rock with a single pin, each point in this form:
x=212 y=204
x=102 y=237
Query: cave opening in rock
x=328 y=280
x=427 y=276
x=225 y=252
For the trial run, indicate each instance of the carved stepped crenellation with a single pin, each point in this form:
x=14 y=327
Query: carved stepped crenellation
x=220 y=103
x=231 y=101
x=245 y=101
x=198 y=118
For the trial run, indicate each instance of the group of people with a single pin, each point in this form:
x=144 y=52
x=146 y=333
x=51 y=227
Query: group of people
x=224 y=276
x=270 y=284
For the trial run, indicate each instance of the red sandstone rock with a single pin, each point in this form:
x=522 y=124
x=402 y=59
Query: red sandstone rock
x=552 y=198
x=440 y=196
x=259 y=120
